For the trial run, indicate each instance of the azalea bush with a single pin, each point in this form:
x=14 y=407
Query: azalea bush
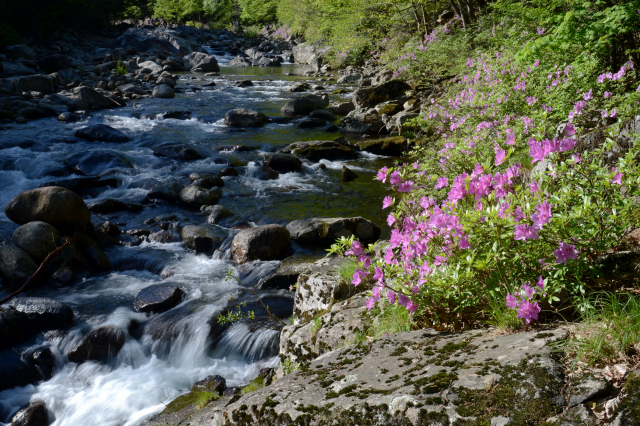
x=512 y=199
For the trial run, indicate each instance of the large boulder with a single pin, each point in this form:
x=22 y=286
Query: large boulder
x=307 y=53
x=110 y=205
x=158 y=298
x=369 y=97
x=266 y=242
x=325 y=231
x=101 y=344
x=283 y=163
x=34 y=415
x=196 y=197
x=242 y=117
x=299 y=106
x=13 y=69
x=101 y=133
x=415 y=378
x=321 y=101
x=26 y=316
x=203 y=238
x=59 y=207
x=18 y=51
x=350 y=78
x=16 y=265
x=145 y=39
x=362 y=121
x=339 y=149
x=216 y=213
x=240 y=62
x=163 y=91
x=96 y=99
x=36 y=238
x=201 y=61
x=35 y=83
x=150 y=65
x=97 y=161
x=54 y=63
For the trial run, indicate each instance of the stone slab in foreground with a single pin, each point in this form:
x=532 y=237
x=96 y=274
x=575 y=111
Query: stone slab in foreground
x=414 y=378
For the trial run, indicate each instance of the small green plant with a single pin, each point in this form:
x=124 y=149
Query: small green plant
x=392 y=319
x=290 y=366
x=610 y=329
x=254 y=385
x=317 y=325
x=203 y=398
x=121 y=70
x=503 y=318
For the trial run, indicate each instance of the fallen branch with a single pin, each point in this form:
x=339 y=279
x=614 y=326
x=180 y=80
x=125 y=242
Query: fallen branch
x=39 y=271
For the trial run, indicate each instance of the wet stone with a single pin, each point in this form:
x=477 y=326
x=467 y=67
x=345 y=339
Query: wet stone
x=158 y=298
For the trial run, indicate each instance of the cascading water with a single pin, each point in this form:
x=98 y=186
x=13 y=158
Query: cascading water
x=165 y=354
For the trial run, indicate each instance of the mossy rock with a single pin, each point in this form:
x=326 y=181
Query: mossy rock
x=392 y=147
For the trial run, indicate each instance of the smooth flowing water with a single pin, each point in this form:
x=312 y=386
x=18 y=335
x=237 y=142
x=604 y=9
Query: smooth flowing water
x=165 y=354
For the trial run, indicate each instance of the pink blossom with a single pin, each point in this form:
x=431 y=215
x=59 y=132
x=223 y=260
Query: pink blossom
x=607 y=95
x=391 y=220
x=536 y=63
x=500 y=155
x=464 y=243
x=406 y=186
x=579 y=106
x=377 y=273
x=395 y=178
x=588 y=96
x=441 y=183
x=542 y=215
x=540 y=31
x=569 y=130
x=392 y=297
x=576 y=158
x=411 y=306
x=382 y=174
x=533 y=187
x=617 y=178
x=564 y=252
x=357 y=277
x=387 y=202
x=528 y=311
x=540 y=283
x=370 y=303
x=525 y=232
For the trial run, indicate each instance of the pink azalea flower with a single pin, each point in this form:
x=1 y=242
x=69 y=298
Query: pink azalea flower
x=588 y=96
x=576 y=158
x=441 y=183
x=500 y=155
x=402 y=300
x=617 y=178
x=392 y=297
x=464 y=243
x=533 y=187
x=357 y=277
x=512 y=301
x=370 y=303
x=607 y=95
x=569 y=130
x=565 y=252
x=377 y=273
x=391 y=220
x=387 y=202
x=528 y=311
x=395 y=178
x=406 y=186
x=540 y=283
x=411 y=306
x=382 y=174
x=525 y=232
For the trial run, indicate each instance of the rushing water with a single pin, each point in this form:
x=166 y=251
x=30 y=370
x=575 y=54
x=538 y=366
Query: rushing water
x=165 y=354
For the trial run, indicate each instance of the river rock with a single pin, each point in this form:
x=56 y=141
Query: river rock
x=59 y=207
x=15 y=370
x=163 y=91
x=36 y=238
x=178 y=115
x=85 y=255
x=202 y=62
x=323 y=114
x=299 y=106
x=101 y=344
x=393 y=147
x=195 y=196
x=95 y=99
x=244 y=83
x=26 y=316
x=263 y=173
x=133 y=89
x=229 y=171
x=151 y=66
x=339 y=149
x=321 y=101
x=144 y=39
x=110 y=205
x=282 y=163
x=101 y=133
x=266 y=242
x=177 y=151
x=350 y=78
x=166 y=191
x=240 y=62
x=158 y=298
x=216 y=213
x=343 y=108
x=69 y=117
x=98 y=161
x=369 y=97
x=34 y=415
x=285 y=277
x=165 y=237
x=300 y=87
x=203 y=238
x=242 y=117
x=36 y=83
x=16 y=265
x=54 y=63
x=311 y=123
x=18 y=51
x=348 y=175
x=324 y=231
x=366 y=381
x=362 y=121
